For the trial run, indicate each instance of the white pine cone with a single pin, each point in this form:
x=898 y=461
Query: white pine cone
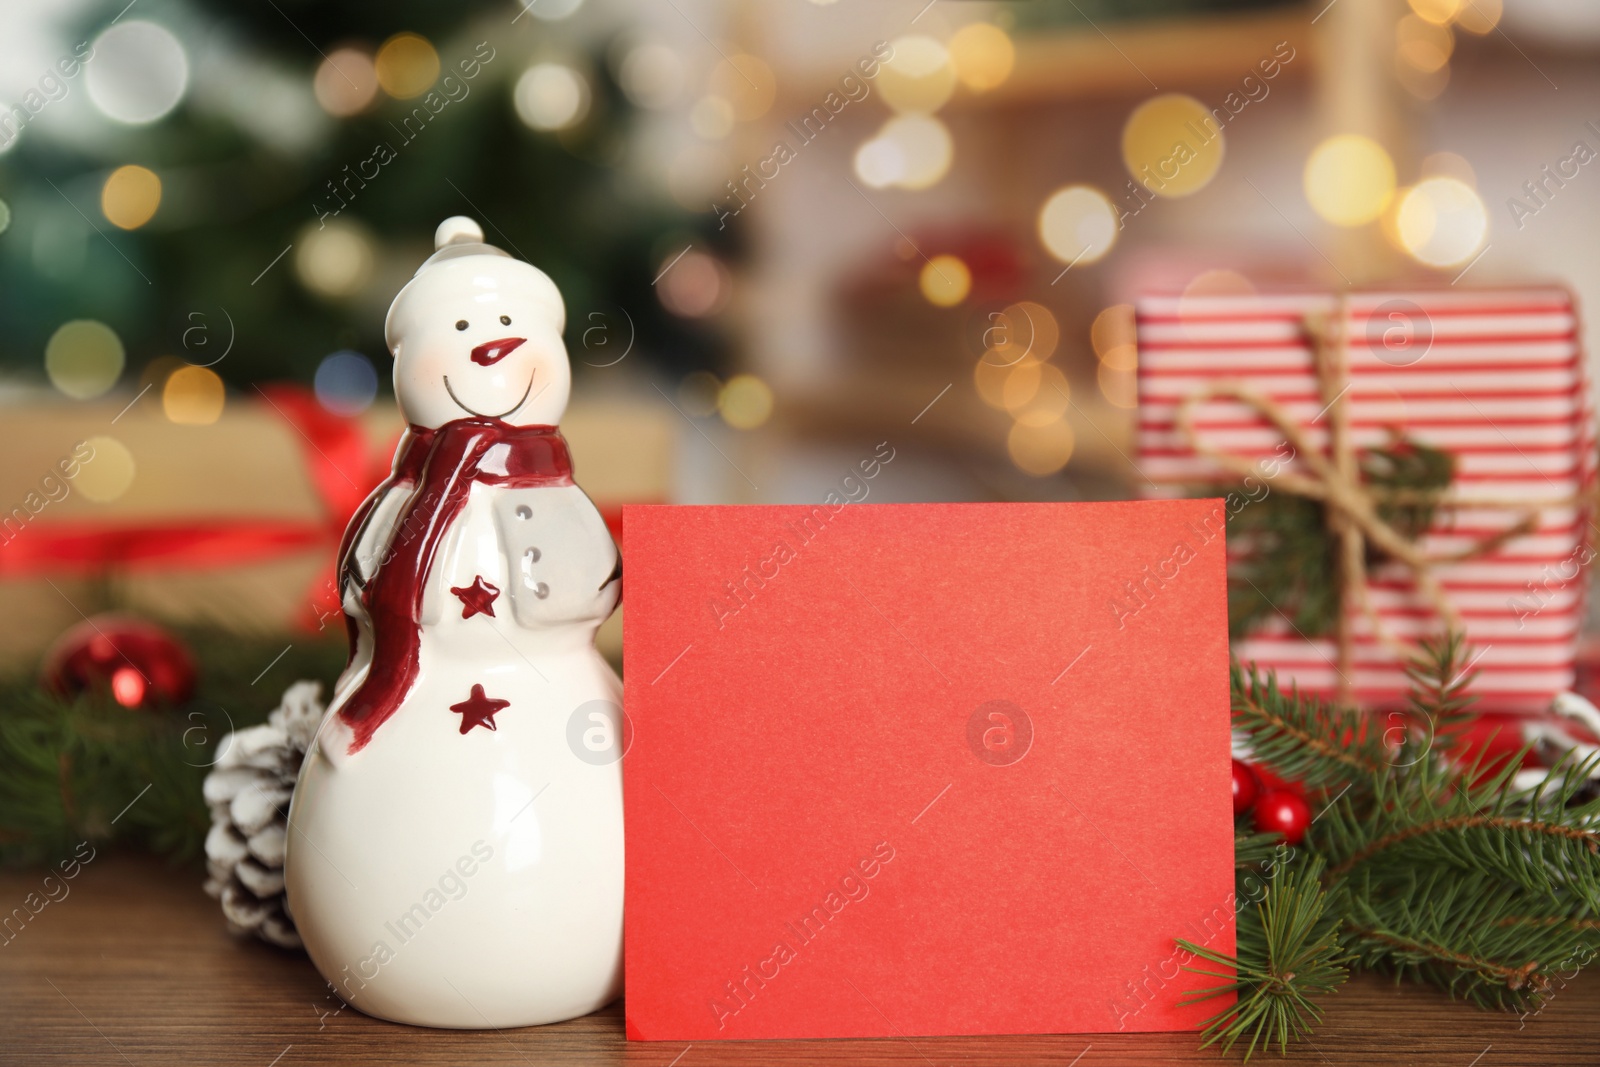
x=248 y=791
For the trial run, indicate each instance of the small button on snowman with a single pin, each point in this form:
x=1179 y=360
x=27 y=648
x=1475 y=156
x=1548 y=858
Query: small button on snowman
x=453 y=859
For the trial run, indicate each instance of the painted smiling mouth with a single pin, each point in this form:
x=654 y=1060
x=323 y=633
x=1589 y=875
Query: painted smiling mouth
x=485 y=414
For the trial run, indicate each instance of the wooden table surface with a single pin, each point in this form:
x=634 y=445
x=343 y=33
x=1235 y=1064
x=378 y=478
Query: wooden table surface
x=134 y=967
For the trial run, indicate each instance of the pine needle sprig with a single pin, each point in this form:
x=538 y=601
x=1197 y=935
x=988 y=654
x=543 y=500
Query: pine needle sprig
x=1257 y=852
x=1432 y=816
x=1284 y=561
x=1438 y=699
x=1480 y=938
x=1302 y=739
x=1289 y=953
x=88 y=769
x=1425 y=862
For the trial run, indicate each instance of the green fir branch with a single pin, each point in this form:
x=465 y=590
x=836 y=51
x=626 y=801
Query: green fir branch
x=1479 y=937
x=1285 y=563
x=1424 y=863
x=1438 y=701
x=1288 y=954
x=1257 y=852
x=1285 y=560
x=1541 y=839
x=1302 y=739
x=1409 y=479
x=88 y=769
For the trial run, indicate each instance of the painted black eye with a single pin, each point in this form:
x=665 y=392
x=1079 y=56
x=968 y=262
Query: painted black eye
x=505 y=320
x=461 y=324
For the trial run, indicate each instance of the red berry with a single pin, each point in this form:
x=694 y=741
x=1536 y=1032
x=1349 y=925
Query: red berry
x=1245 y=787
x=1280 y=811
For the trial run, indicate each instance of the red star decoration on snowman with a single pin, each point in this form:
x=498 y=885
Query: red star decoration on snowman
x=477 y=598
x=478 y=709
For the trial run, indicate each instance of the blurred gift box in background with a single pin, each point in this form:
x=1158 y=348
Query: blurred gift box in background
x=792 y=235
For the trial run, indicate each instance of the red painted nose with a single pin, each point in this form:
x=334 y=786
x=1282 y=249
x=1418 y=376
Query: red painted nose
x=491 y=352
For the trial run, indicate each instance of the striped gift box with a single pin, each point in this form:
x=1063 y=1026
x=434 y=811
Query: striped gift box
x=1495 y=377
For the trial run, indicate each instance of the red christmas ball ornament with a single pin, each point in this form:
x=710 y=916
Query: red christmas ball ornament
x=140 y=664
x=1245 y=787
x=1280 y=811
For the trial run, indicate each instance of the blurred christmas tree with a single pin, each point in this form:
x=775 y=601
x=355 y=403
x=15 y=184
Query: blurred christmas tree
x=311 y=149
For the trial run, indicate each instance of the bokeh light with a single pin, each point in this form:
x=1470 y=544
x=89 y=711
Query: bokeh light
x=747 y=83
x=1111 y=335
x=193 y=396
x=1022 y=384
x=1078 y=224
x=1171 y=145
x=745 y=402
x=695 y=286
x=911 y=151
x=138 y=74
x=551 y=96
x=346 y=82
x=1424 y=85
x=84 y=358
x=1349 y=179
x=1442 y=222
x=109 y=473
x=945 y=281
x=333 y=260
x=5 y=216
x=918 y=78
x=1479 y=16
x=127 y=686
x=878 y=163
x=1439 y=12
x=651 y=76
x=1389 y=221
x=698 y=393
x=346 y=383
x=1024 y=329
x=1113 y=339
x=1048 y=398
x=407 y=66
x=989 y=377
x=1119 y=385
x=1424 y=45
x=711 y=117
x=130 y=196
x=1041 y=450
x=924 y=146
x=982 y=56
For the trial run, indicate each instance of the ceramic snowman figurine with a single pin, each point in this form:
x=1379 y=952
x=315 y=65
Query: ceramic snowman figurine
x=455 y=841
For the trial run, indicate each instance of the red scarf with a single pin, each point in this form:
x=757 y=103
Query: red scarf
x=442 y=464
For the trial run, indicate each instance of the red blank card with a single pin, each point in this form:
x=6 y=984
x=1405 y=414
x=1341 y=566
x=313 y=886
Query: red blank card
x=925 y=768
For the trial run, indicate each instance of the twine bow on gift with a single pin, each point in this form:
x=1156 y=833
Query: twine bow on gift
x=1351 y=507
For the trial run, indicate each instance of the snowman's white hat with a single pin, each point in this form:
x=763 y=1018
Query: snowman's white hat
x=460 y=237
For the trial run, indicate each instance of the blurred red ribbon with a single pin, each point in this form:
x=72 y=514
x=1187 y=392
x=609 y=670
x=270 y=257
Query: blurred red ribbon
x=342 y=471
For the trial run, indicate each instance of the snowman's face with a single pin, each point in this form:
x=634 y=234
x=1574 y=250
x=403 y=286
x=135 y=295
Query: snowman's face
x=479 y=336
